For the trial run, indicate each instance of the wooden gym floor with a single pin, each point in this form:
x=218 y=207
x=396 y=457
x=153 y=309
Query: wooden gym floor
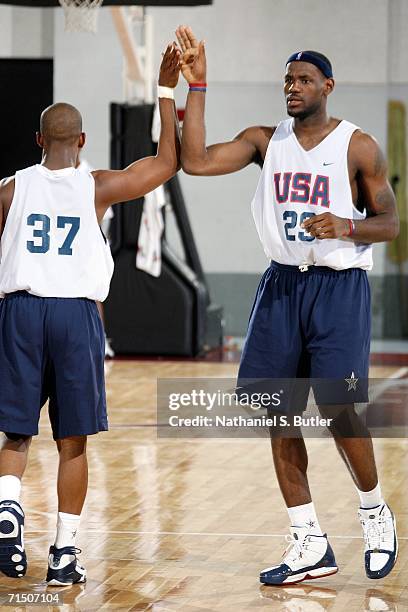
x=186 y=525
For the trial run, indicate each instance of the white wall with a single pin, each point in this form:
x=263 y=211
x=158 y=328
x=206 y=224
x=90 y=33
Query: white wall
x=26 y=32
x=6 y=27
x=250 y=41
x=88 y=74
x=398 y=41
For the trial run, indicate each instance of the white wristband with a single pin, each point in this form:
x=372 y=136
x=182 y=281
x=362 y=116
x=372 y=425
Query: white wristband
x=165 y=92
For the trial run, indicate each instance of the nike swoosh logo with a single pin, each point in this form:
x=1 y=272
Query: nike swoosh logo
x=328 y=164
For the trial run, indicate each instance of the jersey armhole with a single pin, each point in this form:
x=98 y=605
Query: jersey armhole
x=364 y=212
x=257 y=159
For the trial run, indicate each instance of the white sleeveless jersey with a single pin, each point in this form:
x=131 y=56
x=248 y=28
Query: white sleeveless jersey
x=52 y=245
x=296 y=184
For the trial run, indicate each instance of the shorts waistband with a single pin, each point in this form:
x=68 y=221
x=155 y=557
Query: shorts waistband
x=23 y=293
x=309 y=268
x=18 y=293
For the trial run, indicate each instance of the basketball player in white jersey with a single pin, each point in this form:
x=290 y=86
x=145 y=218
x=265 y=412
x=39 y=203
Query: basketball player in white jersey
x=55 y=264
x=323 y=198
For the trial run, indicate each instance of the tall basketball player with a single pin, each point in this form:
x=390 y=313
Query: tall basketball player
x=54 y=264
x=323 y=198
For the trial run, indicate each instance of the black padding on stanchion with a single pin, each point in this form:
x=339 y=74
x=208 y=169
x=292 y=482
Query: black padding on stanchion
x=20 y=113
x=149 y=316
x=172 y=314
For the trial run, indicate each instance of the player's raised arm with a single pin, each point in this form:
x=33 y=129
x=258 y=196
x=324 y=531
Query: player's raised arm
x=141 y=177
x=196 y=157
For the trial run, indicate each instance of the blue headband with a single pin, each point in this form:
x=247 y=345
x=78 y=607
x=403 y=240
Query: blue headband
x=311 y=58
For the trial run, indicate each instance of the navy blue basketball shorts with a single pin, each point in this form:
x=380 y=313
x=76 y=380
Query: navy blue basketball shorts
x=51 y=348
x=314 y=326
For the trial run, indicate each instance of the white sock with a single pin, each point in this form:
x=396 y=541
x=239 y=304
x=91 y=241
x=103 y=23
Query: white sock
x=370 y=499
x=305 y=516
x=67 y=527
x=10 y=488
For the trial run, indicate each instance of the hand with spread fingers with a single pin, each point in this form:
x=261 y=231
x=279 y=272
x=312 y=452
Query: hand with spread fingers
x=193 y=60
x=170 y=66
x=327 y=225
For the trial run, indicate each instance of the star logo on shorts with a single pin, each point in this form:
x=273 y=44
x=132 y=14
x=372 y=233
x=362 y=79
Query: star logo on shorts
x=352 y=382
x=311 y=524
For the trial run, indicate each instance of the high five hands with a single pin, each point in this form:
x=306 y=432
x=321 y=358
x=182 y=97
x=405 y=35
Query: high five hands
x=189 y=57
x=170 y=66
x=193 y=62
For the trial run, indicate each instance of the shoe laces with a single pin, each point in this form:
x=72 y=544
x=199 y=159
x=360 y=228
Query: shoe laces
x=294 y=550
x=374 y=531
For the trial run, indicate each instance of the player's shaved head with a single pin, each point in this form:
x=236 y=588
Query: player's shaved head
x=61 y=122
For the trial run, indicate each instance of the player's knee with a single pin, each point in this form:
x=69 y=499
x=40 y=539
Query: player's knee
x=285 y=432
x=344 y=421
x=72 y=445
x=16 y=442
x=16 y=437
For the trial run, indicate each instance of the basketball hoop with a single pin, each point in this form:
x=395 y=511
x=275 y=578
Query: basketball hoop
x=81 y=15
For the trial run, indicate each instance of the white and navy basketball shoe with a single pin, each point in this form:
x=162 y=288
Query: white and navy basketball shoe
x=308 y=556
x=13 y=560
x=381 y=543
x=63 y=566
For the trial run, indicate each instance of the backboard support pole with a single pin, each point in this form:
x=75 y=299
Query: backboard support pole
x=138 y=54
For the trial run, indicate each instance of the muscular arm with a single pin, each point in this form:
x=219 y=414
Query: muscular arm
x=370 y=186
x=196 y=158
x=221 y=158
x=374 y=191
x=144 y=175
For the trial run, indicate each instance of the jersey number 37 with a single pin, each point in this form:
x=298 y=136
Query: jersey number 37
x=42 y=225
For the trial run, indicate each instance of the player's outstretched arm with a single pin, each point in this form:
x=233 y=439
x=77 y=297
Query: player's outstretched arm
x=368 y=165
x=144 y=175
x=216 y=159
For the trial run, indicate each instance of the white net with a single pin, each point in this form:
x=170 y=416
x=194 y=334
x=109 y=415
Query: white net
x=81 y=15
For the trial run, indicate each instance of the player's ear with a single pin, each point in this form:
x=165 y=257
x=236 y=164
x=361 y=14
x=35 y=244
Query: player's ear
x=39 y=139
x=329 y=86
x=82 y=140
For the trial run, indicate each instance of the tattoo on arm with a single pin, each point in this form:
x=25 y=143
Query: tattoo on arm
x=383 y=198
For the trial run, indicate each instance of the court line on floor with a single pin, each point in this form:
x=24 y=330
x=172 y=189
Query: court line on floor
x=399 y=373
x=199 y=533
